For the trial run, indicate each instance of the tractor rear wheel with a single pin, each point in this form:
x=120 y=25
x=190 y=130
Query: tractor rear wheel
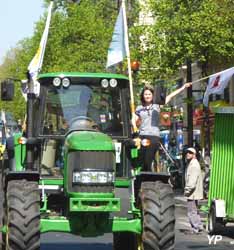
x=124 y=240
x=158 y=215
x=23 y=215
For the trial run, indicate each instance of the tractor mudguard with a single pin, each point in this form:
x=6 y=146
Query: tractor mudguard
x=27 y=175
x=149 y=177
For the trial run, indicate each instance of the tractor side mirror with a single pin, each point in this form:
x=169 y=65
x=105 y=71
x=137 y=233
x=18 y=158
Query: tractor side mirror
x=159 y=95
x=7 y=90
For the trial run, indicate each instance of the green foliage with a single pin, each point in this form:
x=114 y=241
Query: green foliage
x=80 y=36
x=198 y=30
x=78 y=41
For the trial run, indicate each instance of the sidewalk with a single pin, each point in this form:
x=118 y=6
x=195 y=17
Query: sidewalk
x=181 y=212
x=200 y=241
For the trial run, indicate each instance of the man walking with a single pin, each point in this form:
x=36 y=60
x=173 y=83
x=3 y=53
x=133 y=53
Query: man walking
x=193 y=189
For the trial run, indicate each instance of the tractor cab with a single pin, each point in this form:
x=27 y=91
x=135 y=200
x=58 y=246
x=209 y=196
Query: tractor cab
x=74 y=103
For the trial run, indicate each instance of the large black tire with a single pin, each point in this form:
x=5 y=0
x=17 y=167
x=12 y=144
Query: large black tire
x=23 y=215
x=158 y=216
x=124 y=240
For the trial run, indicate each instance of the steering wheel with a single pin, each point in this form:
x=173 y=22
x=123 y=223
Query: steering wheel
x=83 y=122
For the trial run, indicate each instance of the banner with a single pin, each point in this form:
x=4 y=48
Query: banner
x=217 y=83
x=36 y=63
x=117 y=50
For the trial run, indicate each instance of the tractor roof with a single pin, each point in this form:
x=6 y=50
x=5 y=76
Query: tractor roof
x=84 y=74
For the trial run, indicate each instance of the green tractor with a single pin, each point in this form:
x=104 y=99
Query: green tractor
x=71 y=170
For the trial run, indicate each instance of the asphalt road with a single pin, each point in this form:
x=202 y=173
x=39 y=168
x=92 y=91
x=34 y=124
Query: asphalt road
x=57 y=241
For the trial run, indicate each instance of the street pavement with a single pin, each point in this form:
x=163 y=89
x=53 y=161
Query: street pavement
x=201 y=241
x=60 y=241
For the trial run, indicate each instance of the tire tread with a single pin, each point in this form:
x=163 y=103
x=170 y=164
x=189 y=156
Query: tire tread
x=158 y=211
x=23 y=200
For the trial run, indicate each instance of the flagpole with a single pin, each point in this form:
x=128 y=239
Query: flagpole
x=126 y=41
x=206 y=77
x=33 y=70
x=37 y=61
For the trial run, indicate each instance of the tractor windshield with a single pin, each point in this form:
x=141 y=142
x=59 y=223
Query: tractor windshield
x=82 y=107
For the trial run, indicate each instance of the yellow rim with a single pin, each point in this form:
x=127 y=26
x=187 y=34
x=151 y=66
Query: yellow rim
x=139 y=242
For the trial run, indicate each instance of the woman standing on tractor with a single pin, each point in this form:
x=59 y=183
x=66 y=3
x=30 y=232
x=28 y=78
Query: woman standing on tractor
x=147 y=120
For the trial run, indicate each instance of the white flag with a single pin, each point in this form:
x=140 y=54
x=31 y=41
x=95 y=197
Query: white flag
x=3 y=116
x=117 y=50
x=36 y=63
x=217 y=83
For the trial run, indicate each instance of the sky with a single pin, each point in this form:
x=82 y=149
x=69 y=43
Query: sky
x=17 y=20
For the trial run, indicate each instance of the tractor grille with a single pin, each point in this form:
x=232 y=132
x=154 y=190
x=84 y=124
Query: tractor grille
x=90 y=160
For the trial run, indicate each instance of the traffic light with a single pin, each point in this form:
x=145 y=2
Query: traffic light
x=7 y=90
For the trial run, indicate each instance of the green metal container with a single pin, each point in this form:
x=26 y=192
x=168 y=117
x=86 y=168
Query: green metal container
x=222 y=170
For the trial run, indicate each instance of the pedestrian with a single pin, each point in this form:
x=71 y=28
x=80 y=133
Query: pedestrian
x=193 y=189
x=147 y=120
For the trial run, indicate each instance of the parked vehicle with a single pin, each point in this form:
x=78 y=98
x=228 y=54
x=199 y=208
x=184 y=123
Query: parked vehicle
x=221 y=184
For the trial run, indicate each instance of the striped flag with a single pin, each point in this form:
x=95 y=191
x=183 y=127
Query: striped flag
x=36 y=63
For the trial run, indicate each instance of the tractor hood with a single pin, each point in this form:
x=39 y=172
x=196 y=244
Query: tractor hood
x=89 y=140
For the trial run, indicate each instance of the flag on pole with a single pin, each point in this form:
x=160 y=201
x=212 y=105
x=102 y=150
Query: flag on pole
x=36 y=63
x=117 y=50
x=217 y=83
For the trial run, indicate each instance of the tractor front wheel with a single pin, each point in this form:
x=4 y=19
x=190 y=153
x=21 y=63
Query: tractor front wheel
x=158 y=215
x=23 y=215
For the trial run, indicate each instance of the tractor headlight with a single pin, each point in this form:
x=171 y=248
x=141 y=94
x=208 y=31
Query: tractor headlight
x=93 y=177
x=105 y=83
x=66 y=82
x=57 y=81
x=113 y=83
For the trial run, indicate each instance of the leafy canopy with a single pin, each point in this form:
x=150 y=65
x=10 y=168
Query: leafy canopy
x=199 y=30
x=78 y=40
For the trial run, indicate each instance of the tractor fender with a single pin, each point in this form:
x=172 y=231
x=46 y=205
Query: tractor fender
x=149 y=177
x=20 y=175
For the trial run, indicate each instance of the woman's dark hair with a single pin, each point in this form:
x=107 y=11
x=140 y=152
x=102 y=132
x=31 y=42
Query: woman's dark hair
x=143 y=91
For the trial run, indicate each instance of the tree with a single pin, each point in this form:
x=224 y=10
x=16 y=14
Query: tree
x=80 y=36
x=198 y=30
x=78 y=41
